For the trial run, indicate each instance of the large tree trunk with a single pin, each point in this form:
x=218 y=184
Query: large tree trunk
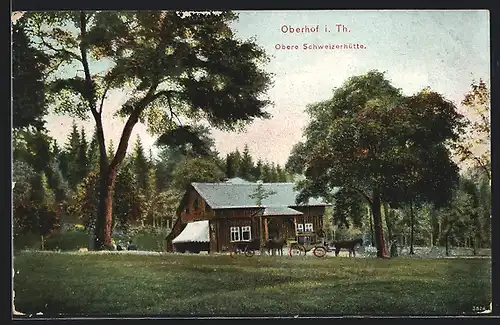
x=388 y=221
x=372 y=233
x=108 y=173
x=377 y=225
x=439 y=233
x=105 y=216
x=447 y=243
x=412 y=228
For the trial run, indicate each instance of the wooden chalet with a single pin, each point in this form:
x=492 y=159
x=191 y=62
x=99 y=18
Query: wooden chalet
x=227 y=213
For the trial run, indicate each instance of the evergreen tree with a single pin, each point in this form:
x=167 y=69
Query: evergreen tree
x=82 y=164
x=86 y=200
x=258 y=170
x=111 y=149
x=236 y=158
x=93 y=153
x=274 y=174
x=141 y=166
x=282 y=177
x=39 y=215
x=246 y=164
x=72 y=150
x=266 y=175
x=230 y=172
x=129 y=200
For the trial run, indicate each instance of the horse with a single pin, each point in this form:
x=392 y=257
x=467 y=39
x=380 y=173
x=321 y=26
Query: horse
x=347 y=244
x=276 y=244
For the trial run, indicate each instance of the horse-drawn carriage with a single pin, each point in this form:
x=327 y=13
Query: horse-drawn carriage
x=298 y=246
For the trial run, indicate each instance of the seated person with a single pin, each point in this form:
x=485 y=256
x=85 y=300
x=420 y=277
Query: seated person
x=131 y=246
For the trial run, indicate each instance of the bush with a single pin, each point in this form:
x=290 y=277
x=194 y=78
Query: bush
x=145 y=237
x=67 y=241
x=27 y=241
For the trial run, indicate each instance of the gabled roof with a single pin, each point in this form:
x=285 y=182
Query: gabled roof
x=227 y=195
x=281 y=211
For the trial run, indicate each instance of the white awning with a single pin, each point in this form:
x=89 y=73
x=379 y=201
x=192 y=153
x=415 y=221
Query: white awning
x=194 y=232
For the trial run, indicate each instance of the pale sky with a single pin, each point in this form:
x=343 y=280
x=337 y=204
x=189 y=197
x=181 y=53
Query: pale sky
x=444 y=50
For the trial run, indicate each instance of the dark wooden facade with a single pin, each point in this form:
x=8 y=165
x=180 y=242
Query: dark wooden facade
x=194 y=208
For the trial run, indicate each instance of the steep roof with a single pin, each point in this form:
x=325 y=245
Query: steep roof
x=230 y=195
x=281 y=211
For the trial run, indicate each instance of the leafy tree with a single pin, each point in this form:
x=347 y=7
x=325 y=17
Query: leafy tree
x=189 y=141
x=86 y=201
x=196 y=170
x=475 y=143
x=38 y=213
x=22 y=174
x=130 y=200
x=28 y=67
x=34 y=148
x=37 y=149
x=371 y=139
x=191 y=65
x=348 y=209
x=456 y=216
x=484 y=197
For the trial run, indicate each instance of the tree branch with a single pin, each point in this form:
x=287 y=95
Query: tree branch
x=360 y=191
x=62 y=50
x=469 y=155
x=103 y=96
x=129 y=125
x=171 y=110
x=88 y=77
x=103 y=157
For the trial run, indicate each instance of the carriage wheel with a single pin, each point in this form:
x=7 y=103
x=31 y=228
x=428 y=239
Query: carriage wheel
x=297 y=250
x=249 y=252
x=319 y=251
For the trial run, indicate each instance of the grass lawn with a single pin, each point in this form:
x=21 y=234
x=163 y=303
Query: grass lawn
x=87 y=283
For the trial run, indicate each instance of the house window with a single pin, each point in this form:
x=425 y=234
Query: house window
x=308 y=227
x=207 y=207
x=246 y=233
x=235 y=233
x=300 y=227
x=196 y=204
